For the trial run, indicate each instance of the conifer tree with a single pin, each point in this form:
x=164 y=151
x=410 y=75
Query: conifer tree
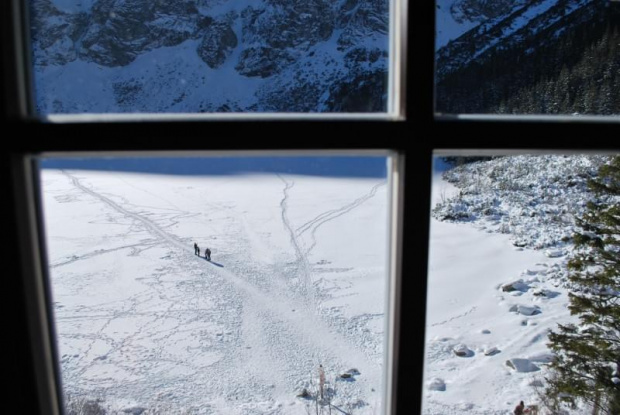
x=588 y=356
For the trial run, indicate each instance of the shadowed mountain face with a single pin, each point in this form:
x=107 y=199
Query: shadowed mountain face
x=273 y=55
x=481 y=10
x=530 y=57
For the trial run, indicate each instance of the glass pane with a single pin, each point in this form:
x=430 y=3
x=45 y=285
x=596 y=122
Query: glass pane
x=528 y=57
x=284 y=314
x=210 y=56
x=499 y=282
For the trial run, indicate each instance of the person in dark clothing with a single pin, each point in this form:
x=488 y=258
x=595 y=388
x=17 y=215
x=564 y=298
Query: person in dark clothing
x=208 y=254
x=196 y=249
x=519 y=409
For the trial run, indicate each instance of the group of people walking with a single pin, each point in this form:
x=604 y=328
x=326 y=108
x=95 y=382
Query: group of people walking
x=207 y=252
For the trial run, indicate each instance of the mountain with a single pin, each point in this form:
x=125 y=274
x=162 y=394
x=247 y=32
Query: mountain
x=455 y=17
x=517 y=54
x=210 y=55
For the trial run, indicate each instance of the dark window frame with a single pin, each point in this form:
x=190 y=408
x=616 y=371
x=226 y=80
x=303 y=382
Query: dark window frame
x=414 y=138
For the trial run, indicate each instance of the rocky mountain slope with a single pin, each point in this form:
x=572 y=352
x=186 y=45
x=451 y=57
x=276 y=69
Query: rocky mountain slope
x=538 y=57
x=210 y=55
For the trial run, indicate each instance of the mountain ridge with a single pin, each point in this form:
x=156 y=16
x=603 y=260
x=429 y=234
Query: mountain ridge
x=260 y=55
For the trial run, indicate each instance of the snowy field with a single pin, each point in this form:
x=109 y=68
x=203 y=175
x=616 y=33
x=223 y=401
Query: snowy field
x=493 y=296
x=297 y=279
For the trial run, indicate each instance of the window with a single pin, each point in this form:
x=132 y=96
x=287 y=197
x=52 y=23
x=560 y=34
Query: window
x=283 y=305
x=216 y=57
x=413 y=138
x=527 y=58
x=501 y=246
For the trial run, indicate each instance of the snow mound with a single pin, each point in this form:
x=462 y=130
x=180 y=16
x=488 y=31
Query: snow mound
x=522 y=365
x=526 y=310
x=437 y=384
x=555 y=253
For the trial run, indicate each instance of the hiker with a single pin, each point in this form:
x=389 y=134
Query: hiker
x=196 y=249
x=519 y=409
x=208 y=254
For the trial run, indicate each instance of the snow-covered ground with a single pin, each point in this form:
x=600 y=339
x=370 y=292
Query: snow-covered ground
x=499 y=332
x=297 y=279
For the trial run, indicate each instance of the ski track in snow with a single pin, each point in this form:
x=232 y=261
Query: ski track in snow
x=332 y=214
x=471 y=310
x=302 y=259
x=258 y=326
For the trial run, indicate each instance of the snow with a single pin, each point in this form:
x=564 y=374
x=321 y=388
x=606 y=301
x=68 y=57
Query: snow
x=522 y=365
x=170 y=78
x=297 y=279
x=174 y=79
x=448 y=28
x=470 y=261
x=437 y=385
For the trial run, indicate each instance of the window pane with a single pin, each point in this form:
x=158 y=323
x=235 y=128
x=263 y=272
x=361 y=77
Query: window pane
x=286 y=315
x=210 y=56
x=501 y=240
x=528 y=57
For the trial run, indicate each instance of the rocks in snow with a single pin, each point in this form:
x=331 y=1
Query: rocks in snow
x=518 y=285
x=491 y=351
x=349 y=374
x=525 y=310
x=136 y=410
x=545 y=293
x=522 y=365
x=217 y=44
x=262 y=62
x=554 y=253
x=485 y=331
x=521 y=191
x=304 y=393
x=462 y=350
x=437 y=384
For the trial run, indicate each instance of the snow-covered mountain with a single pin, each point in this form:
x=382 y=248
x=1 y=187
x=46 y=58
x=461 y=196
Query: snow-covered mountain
x=455 y=17
x=471 y=31
x=210 y=55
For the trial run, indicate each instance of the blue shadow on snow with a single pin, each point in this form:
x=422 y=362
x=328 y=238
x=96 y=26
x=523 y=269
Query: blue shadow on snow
x=331 y=166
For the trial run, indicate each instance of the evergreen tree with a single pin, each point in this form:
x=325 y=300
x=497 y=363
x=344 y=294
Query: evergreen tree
x=588 y=356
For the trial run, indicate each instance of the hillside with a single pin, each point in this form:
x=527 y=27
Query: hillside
x=550 y=57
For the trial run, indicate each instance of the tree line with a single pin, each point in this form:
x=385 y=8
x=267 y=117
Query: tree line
x=567 y=69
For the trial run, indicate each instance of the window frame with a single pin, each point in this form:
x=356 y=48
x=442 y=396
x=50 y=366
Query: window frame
x=414 y=138
x=24 y=88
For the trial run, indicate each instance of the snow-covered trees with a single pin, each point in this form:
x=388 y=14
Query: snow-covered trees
x=588 y=356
